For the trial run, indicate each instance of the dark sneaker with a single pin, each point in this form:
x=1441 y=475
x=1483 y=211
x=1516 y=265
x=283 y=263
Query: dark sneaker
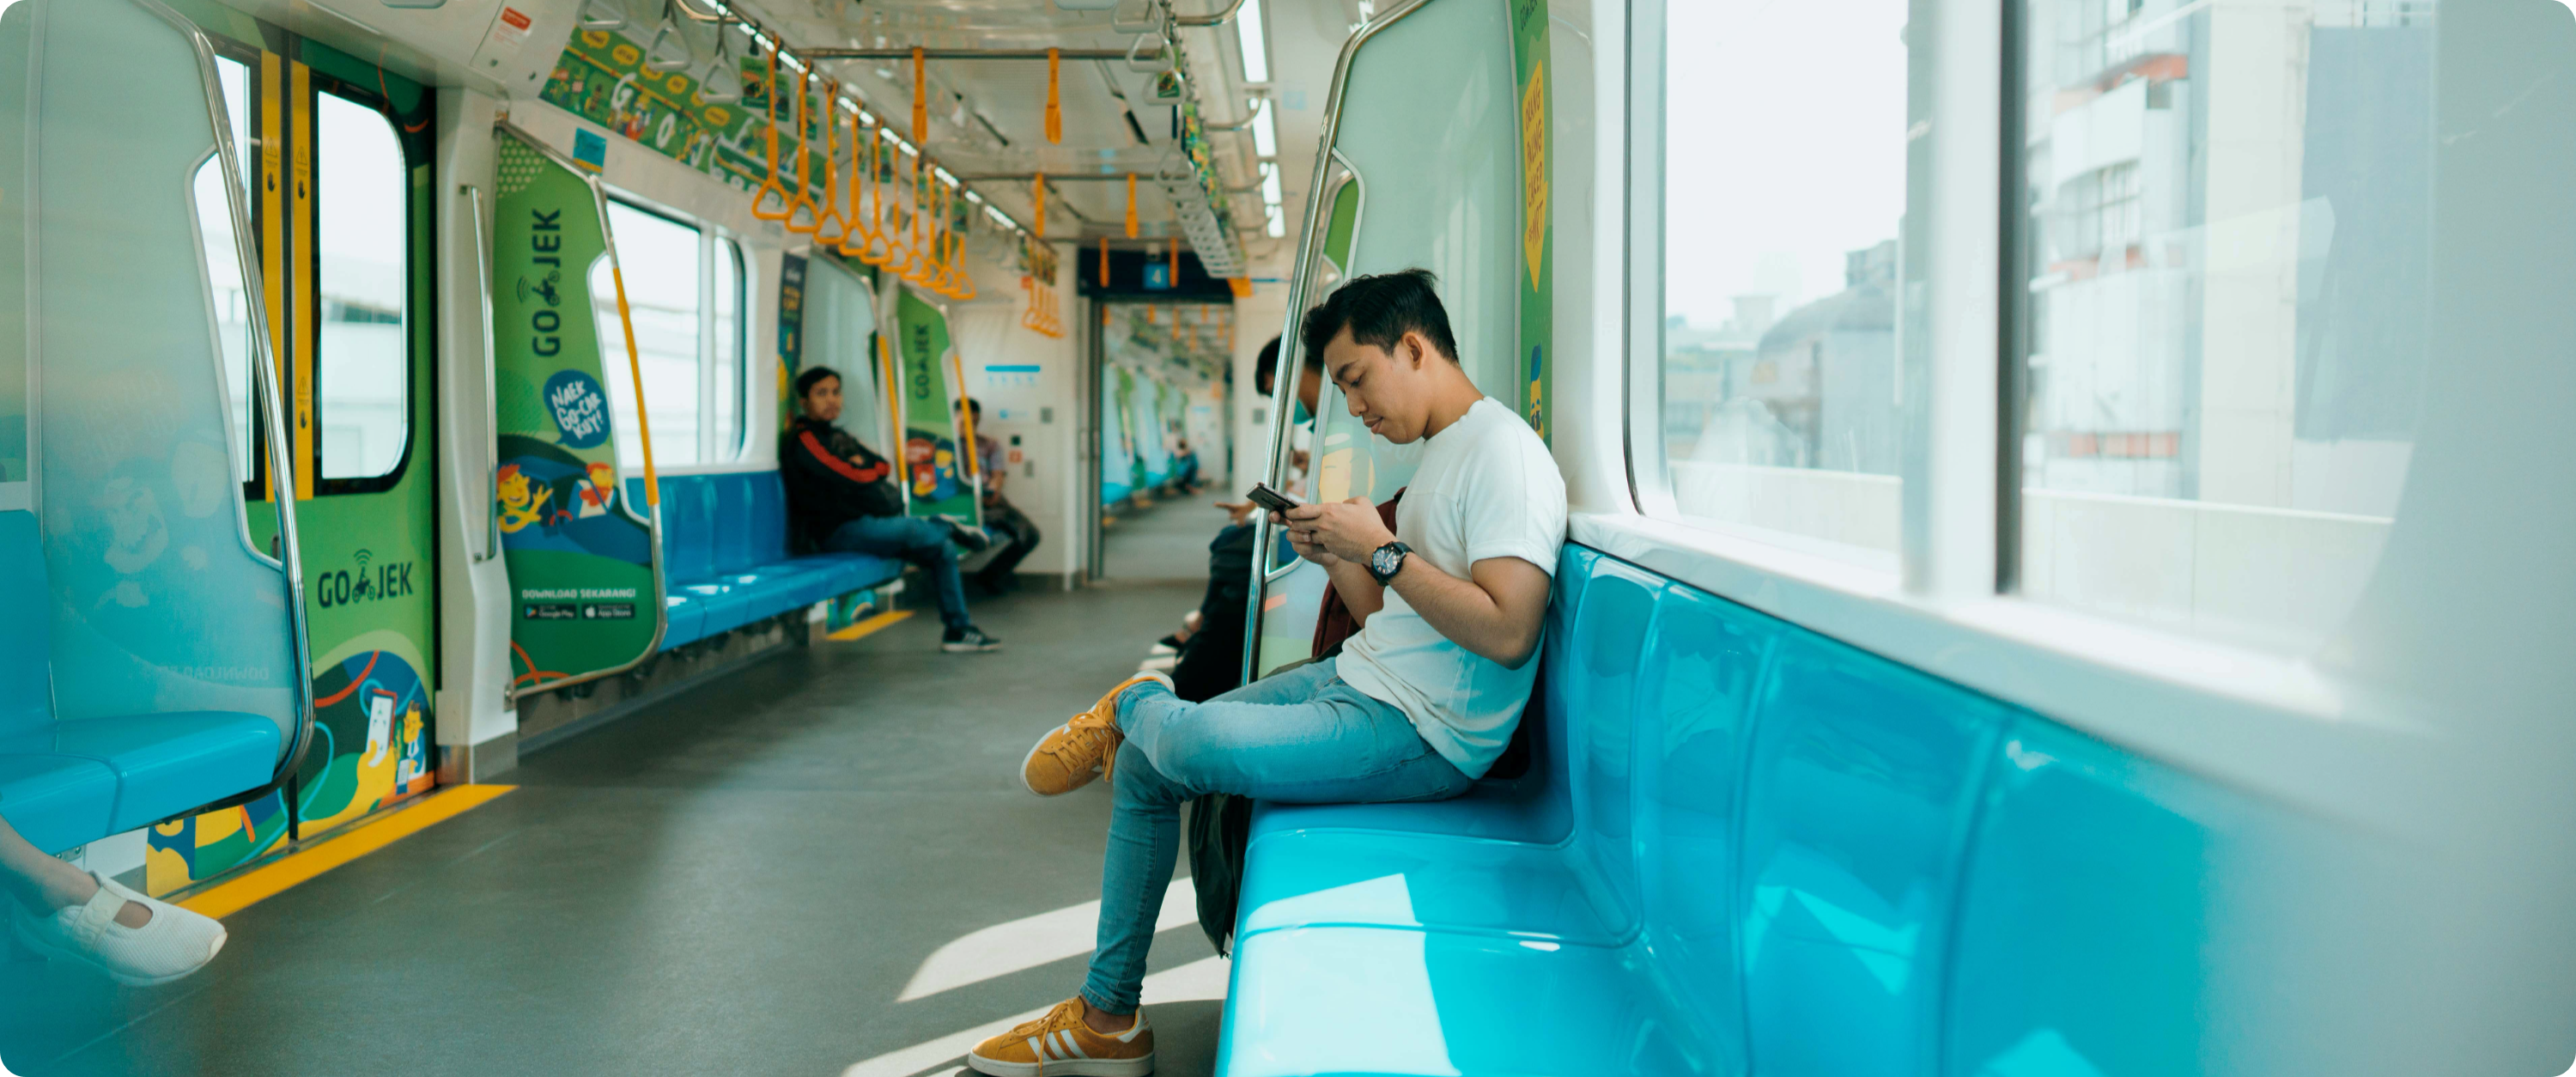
x=967 y=536
x=968 y=640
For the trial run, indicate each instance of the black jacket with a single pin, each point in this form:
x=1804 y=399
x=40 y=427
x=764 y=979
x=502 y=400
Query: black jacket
x=831 y=480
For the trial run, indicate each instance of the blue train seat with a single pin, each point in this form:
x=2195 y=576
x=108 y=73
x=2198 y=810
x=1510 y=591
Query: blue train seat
x=724 y=556
x=66 y=783
x=1737 y=840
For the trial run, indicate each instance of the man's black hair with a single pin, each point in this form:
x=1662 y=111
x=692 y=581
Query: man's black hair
x=812 y=377
x=968 y=404
x=1265 y=370
x=1379 y=310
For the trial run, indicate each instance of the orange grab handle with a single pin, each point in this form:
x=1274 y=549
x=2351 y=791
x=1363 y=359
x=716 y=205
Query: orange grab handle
x=771 y=185
x=830 y=228
x=804 y=200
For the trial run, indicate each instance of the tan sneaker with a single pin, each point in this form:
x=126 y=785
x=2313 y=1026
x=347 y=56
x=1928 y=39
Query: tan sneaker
x=1070 y=755
x=1061 y=1042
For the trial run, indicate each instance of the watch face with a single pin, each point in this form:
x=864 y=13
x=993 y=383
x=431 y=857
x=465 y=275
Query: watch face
x=1385 y=561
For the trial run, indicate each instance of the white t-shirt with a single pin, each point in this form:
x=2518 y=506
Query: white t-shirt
x=1486 y=488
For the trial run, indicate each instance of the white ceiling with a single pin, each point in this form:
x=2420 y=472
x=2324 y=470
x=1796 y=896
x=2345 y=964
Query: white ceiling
x=987 y=116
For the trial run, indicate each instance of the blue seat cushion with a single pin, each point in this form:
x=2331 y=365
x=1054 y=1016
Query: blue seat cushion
x=1364 y=1000
x=726 y=605
x=165 y=764
x=683 y=619
x=1307 y=878
x=57 y=801
x=1522 y=810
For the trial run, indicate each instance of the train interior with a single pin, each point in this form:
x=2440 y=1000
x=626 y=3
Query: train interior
x=2066 y=568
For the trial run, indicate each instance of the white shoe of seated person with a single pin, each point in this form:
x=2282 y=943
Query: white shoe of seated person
x=172 y=945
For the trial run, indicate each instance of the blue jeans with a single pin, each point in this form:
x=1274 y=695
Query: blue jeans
x=1300 y=737
x=920 y=542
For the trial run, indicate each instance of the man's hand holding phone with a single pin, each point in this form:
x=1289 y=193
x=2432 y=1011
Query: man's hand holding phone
x=1332 y=533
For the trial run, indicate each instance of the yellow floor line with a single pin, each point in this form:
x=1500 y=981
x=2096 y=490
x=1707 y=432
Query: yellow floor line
x=294 y=869
x=869 y=627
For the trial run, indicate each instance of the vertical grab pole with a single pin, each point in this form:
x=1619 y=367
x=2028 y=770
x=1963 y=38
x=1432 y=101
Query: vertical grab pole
x=966 y=424
x=894 y=410
x=635 y=370
x=491 y=424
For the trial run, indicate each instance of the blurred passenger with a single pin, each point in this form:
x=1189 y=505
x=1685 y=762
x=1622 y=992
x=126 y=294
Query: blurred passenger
x=1417 y=706
x=841 y=496
x=64 y=912
x=1211 y=651
x=1185 y=466
x=1001 y=518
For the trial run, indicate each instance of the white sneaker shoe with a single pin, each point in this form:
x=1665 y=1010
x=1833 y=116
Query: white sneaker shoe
x=173 y=945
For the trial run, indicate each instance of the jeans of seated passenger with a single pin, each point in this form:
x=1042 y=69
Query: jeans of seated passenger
x=920 y=542
x=1302 y=737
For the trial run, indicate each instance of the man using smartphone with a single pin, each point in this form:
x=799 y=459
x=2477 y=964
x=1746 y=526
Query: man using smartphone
x=1416 y=707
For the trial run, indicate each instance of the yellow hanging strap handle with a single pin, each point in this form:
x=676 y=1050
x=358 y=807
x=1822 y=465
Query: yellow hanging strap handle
x=918 y=256
x=804 y=162
x=1055 y=103
x=1037 y=194
x=877 y=248
x=771 y=185
x=926 y=271
x=898 y=215
x=854 y=231
x=1131 y=205
x=1104 y=261
x=825 y=231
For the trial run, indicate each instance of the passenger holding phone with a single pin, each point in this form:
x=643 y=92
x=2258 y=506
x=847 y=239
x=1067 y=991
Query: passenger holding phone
x=1416 y=707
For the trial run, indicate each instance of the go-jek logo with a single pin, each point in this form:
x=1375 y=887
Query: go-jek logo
x=580 y=409
x=374 y=581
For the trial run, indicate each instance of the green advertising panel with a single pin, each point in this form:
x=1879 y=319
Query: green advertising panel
x=1538 y=281
x=934 y=468
x=584 y=577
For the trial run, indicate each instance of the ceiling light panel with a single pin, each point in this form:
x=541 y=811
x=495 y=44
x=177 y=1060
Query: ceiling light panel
x=1256 y=47
x=1265 y=134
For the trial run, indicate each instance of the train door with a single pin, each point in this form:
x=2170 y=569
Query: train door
x=341 y=225
x=1405 y=90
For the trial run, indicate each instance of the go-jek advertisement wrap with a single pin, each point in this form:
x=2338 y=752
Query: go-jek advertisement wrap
x=934 y=471
x=586 y=594
x=1538 y=234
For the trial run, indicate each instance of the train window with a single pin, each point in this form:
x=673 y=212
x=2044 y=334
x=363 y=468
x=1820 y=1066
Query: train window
x=1782 y=411
x=363 y=361
x=2228 y=246
x=684 y=291
x=227 y=279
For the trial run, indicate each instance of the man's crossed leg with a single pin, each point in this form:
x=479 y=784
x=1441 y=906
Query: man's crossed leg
x=1303 y=736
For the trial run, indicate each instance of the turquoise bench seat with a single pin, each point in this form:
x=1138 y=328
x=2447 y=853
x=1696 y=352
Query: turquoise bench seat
x=725 y=560
x=1742 y=847
x=66 y=783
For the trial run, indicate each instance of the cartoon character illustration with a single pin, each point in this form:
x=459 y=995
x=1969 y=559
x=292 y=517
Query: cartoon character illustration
x=522 y=502
x=597 y=492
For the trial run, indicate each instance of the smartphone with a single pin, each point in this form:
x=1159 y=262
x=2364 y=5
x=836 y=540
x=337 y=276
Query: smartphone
x=1262 y=495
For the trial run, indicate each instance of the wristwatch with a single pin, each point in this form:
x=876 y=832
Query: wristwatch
x=1385 y=561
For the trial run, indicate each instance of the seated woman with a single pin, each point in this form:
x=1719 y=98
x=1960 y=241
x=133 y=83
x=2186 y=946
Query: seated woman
x=840 y=496
x=68 y=913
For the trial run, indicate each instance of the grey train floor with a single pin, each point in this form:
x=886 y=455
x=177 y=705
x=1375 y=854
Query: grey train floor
x=1167 y=541
x=740 y=880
